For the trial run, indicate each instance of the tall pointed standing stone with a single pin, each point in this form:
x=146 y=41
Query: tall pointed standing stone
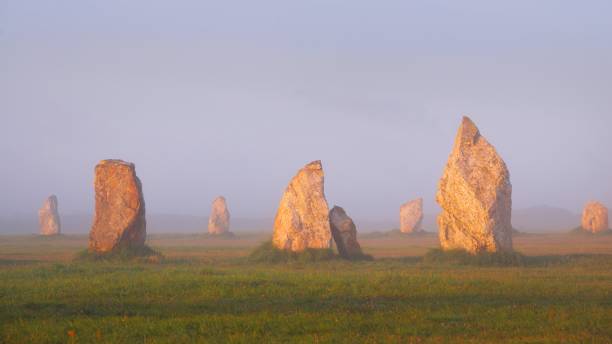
x=119 y=221
x=344 y=233
x=595 y=217
x=411 y=216
x=48 y=217
x=475 y=195
x=219 y=219
x=302 y=220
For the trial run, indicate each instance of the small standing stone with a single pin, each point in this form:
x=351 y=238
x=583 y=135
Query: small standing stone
x=344 y=233
x=595 y=217
x=411 y=216
x=49 y=218
x=219 y=219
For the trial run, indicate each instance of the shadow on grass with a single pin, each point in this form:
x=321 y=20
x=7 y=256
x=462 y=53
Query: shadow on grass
x=460 y=257
x=309 y=302
x=144 y=254
x=509 y=259
x=359 y=257
x=267 y=253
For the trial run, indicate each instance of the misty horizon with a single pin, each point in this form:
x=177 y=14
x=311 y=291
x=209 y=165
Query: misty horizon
x=540 y=219
x=212 y=99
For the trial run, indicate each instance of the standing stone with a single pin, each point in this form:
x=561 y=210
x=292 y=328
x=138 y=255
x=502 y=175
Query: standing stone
x=344 y=233
x=219 y=219
x=475 y=195
x=302 y=220
x=411 y=216
x=595 y=218
x=48 y=217
x=119 y=221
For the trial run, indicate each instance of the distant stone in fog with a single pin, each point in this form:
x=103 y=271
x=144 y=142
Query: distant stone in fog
x=344 y=233
x=475 y=195
x=411 y=216
x=219 y=219
x=48 y=217
x=595 y=217
x=119 y=220
x=302 y=219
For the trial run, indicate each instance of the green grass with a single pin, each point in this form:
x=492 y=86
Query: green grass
x=546 y=299
x=332 y=301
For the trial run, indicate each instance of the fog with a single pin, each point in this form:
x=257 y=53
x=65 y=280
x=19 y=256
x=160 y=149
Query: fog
x=233 y=97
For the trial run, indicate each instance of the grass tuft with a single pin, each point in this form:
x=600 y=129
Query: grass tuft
x=461 y=257
x=267 y=253
x=144 y=254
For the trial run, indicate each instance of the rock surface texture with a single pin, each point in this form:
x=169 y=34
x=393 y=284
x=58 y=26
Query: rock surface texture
x=302 y=219
x=411 y=216
x=344 y=233
x=219 y=219
x=595 y=217
x=119 y=220
x=475 y=195
x=48 y=217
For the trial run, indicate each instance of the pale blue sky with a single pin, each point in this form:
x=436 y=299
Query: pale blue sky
x=232 y=97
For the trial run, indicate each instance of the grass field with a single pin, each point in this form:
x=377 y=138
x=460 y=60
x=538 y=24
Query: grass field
x=206 y=291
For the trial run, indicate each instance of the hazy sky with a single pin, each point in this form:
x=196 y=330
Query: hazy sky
x=233 y=97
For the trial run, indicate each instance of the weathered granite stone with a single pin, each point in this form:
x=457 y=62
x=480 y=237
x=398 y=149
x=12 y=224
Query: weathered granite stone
x=302 y=220
x=119 y=220
x=475 y=195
